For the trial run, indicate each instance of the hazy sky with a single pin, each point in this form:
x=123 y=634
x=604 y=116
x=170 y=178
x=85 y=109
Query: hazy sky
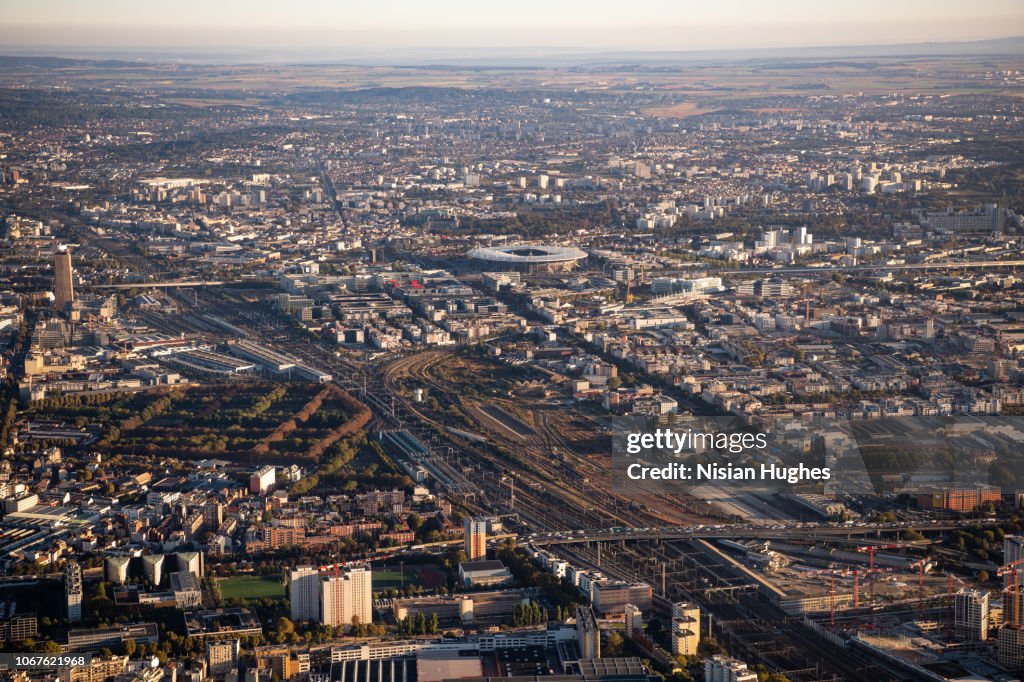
x=344 y=26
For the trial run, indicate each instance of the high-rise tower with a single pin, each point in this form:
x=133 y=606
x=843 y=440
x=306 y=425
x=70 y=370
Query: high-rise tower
x=63 y=287
x=475 y=536
x=73 y=591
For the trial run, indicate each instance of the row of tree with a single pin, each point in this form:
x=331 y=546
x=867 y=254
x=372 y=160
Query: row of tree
x=528 y=614
x=419 y=624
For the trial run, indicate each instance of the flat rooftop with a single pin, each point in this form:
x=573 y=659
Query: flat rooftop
x=434 y=666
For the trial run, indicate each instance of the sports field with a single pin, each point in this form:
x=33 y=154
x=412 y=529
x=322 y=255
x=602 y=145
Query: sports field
x=390 y=576
x=387 y=577
x=251 y=587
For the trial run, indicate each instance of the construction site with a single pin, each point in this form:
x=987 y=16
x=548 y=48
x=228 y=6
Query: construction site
x=890 y=609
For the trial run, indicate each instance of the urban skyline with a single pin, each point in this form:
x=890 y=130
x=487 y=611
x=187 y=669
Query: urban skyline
x=401 y=349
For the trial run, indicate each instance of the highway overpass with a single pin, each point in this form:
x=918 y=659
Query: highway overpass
x=835 y=534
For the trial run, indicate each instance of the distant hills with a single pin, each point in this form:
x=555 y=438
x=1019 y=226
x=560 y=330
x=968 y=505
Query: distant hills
x=1013 y=45
x=58 y=56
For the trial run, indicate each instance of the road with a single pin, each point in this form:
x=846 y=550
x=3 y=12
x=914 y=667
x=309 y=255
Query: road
x=568 y=518
x=775 y=272
x=834 y=534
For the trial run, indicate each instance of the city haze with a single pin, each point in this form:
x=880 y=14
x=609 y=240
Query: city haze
x=322 y=30
x=480 y=342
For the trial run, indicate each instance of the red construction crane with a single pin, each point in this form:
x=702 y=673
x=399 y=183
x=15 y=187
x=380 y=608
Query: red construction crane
x=920 y=565
x=949 y=606
x=833 y=599
x=855 y=572
x=831 y=570
x=871 y=549
x=869 y=574
x=856 y=599
x=1013 y=570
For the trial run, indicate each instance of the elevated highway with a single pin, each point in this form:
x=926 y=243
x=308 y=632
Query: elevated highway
x=172 y=284
x=780 y=272
x=833 y=534
x=866 y=267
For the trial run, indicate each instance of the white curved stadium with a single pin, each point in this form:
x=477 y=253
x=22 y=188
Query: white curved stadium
x=529 y=256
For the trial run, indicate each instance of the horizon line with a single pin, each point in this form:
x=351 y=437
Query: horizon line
x=156 y=53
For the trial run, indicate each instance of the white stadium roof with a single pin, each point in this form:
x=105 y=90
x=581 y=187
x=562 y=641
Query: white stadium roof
x=527 y=254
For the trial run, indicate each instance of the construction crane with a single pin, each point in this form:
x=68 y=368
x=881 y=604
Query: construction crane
x=846 y=572
x=871 y=595
x=833 y=572
x=806 y=300
x=871 y=549
x=1012 y=570
x=920 y=565
x=856 y=593
x=832 y=592
x=856 y=599
x=629 y=282
x=949 y=604
x=949 y=607
x=856 y=573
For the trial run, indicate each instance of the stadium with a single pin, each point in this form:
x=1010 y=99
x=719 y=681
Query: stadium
x=528 y=257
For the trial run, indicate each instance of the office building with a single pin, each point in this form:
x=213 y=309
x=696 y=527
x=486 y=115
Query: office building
x=222 y=656
x=685 y=632
x=588 y=636
x=1010 y=648
x=960 y=499
x=346 y=597
x=283 y=663
x=971 y=615
x=73 y=591
x=213 y=515
x=115 y=569
x=634 y=620
x=97 y=669
x=16 y=626
x=1013 y=549
x=114 y=637
x=304 y=593
x=153 y=569
x=186 y=590
x=725 y=669
x=63 y=286
x=262 y=480
x=190 y=562
x=483 y=573
x=611 y=596
x=475 y=534
x=222 y=623
x=477 y=607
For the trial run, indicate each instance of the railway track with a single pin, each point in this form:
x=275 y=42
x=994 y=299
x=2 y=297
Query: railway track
x=546 y=500
x=577 y=480
x=747 y=624
x=544 y=487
